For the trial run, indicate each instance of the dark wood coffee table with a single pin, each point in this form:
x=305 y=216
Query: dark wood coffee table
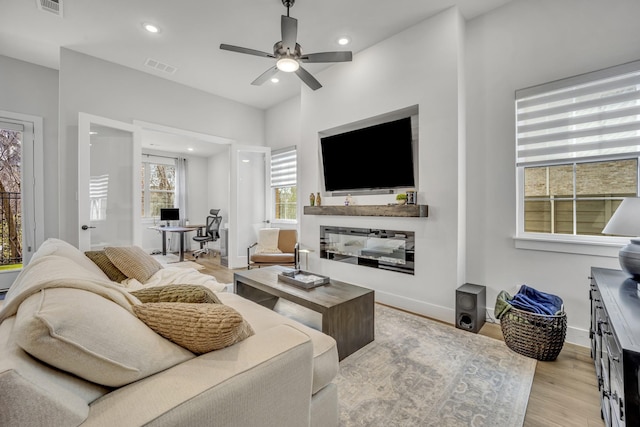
x=347 y=310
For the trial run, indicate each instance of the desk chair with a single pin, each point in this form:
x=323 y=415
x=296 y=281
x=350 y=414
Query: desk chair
x=211 y=233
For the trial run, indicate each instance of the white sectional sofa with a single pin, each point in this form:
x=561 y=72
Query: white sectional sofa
x=73 y=352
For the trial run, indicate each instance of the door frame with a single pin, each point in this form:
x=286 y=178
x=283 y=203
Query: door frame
x=84 y=140
x=236 y=260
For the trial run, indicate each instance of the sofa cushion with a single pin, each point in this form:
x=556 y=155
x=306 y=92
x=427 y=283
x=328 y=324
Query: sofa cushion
x=325 y=351
x=35 y=394
x=102 y=260
x=61 y=248
x=201 y=328
x=92 y=337
x=133 y=261
x=177 y=293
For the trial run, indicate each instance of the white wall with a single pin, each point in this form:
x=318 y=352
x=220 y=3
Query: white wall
x=106 y=89
x=282 y=124
x=419 y=66
x=31 y=89
x=522 y=44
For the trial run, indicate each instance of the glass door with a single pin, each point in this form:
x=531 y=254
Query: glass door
x=109 y=196
x=21 y=192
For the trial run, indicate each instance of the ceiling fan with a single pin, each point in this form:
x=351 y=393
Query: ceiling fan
x=288 y=53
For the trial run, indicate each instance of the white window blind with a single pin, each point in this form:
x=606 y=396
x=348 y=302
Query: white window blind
x=594 y=116
x=284 y=167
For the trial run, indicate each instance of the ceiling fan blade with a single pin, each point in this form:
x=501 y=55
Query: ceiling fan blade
x=246 y=50
x=308 y=79
x=265 y=76
x=343 y=56
x=289 y=32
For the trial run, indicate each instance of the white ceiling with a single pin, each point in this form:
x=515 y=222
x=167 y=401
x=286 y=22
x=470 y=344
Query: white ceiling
x=192 y=30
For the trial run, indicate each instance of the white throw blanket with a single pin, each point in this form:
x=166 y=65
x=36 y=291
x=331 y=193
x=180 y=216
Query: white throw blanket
x=54 y=271
x=176 y=276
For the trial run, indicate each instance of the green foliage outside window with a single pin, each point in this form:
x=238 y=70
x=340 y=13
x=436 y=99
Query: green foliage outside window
x=286 y=202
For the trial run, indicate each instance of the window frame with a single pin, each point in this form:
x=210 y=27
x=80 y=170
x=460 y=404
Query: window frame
x=273 y=188
x=146 y=191
x=607 y=246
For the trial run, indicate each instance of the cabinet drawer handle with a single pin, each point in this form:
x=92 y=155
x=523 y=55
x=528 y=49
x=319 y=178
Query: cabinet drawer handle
x=615 y=359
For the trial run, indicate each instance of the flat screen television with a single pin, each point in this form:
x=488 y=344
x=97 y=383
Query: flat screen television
x=169 y=214
x=379 y=157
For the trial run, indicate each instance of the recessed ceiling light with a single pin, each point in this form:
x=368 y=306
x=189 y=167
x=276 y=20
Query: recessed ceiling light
x=190 y=149
x=344 y=40
x=275 y=80
x=245 y=160
x=93 y=133
x=151 y=28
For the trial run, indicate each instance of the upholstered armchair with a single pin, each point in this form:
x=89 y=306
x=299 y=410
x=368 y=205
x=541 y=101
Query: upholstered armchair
x=274 y=247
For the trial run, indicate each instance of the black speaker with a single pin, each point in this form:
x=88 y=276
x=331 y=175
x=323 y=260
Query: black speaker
x=471 y=301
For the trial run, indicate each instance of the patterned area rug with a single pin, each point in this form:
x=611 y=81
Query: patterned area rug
x=419 y=372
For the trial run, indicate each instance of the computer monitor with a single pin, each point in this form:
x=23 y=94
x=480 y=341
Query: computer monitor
x=169 y=214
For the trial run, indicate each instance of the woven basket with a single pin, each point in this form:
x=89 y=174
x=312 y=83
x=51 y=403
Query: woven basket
x=534 y=335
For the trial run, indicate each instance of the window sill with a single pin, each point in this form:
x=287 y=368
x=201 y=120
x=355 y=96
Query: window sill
x=579 y=245
x=284 y=221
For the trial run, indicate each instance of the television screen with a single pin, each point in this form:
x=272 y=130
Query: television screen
x=376 y=157
x=170 y=214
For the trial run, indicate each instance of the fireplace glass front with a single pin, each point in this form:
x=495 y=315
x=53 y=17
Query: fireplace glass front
x=385 y=249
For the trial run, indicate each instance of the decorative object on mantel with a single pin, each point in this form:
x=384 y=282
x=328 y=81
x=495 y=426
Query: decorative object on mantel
x=348 y=201
x=401 y=198
x=318 y=199
x=411 y=197
x=414 y=211
x=626 y=222
x=312 y=199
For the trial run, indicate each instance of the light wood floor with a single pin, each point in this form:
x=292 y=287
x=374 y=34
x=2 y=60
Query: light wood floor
x=564 y=392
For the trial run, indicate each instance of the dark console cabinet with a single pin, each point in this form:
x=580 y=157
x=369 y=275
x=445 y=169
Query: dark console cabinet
x=615 y=344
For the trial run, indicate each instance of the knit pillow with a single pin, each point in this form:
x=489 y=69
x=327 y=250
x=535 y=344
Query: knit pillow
x=200 y=328
x=177 y=293
x=102 y=260
x=133 y=261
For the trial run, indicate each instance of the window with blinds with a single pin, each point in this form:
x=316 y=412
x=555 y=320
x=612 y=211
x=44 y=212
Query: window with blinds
x=577 y=148
x=284 y=184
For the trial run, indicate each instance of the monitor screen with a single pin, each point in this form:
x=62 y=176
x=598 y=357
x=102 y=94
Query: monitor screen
x=170 y=214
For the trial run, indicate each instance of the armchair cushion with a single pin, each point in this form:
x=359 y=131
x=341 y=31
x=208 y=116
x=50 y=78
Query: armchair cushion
x=273 y=258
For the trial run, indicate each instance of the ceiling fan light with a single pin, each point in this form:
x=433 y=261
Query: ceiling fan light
x=288 y=65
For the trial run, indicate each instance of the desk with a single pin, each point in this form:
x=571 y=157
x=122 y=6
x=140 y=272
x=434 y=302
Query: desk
x=181 y=231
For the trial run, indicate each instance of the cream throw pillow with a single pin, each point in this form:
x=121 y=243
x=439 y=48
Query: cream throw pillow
x=200 y=328
x=92 y=337
x=133 y=261
x=268 y=241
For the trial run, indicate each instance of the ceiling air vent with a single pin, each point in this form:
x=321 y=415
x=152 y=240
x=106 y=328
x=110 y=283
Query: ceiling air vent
x=52 y=6
x=157 y=65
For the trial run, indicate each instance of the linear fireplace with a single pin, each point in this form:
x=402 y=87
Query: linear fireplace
x=385 y=249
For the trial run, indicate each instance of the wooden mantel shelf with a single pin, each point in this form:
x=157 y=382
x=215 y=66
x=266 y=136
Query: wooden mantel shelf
x=415 y=211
